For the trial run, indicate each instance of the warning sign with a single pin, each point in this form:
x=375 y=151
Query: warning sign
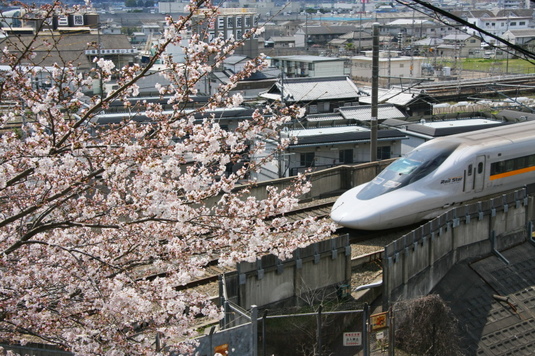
x=379 y=321
x=353 y=339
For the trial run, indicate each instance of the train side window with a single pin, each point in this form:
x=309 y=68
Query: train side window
x=509 y=165
x=480 y=168
x=469 y=170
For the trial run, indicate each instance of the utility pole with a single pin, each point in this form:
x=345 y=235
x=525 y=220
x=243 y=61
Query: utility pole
x=375 y=93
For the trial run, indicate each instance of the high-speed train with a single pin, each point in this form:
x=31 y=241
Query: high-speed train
x=440 y=174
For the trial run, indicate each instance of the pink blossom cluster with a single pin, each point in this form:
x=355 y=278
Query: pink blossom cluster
x=88 y=212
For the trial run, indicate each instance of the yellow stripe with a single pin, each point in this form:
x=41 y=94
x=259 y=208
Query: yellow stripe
x=512 y=173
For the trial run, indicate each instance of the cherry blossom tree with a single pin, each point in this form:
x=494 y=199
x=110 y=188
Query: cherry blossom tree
x=88 y=211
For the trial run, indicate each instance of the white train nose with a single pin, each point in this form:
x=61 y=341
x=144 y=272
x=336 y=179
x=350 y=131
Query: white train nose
x=364 y=219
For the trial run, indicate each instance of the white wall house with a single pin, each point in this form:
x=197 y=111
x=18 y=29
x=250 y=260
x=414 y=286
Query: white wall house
x=393 y=68
x=325 y=147
x=311 y=66
x=498 y=24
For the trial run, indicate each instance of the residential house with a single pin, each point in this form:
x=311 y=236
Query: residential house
x=524 y=38
x=460 y=45
x=498 y=22
x=311 y=66
x=326 y=147
x=415 y=28
x=151 y=30
x=317 y=95
x=308 y=36
x=280 y=42
x=352 y=42
x=425 y=46
x=393 y=68
x=79 y=49
x=284 y=28
x=249 y=87
x=411 y=102
x=359 y=115
x=326 y=140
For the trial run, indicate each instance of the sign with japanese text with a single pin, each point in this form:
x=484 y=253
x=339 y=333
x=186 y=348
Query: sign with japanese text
x=353 y=339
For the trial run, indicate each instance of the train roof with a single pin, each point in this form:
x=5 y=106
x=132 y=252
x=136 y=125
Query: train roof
x=505 y=133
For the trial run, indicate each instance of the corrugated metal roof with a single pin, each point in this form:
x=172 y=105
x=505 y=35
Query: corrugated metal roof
x=308 y=58
x=393 y=96
x=364 y=112
x=349 y=136
x=328 y=117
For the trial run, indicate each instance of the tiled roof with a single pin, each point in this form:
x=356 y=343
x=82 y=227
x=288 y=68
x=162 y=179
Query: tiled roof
x=68 y=48
x=328 y=30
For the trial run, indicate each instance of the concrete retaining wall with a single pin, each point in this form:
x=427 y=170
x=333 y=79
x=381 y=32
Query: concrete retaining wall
x=270 y=280
x=415 y=263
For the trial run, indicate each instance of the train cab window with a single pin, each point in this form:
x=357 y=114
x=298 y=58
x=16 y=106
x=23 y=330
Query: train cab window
x=406 y=170
x=469 y=170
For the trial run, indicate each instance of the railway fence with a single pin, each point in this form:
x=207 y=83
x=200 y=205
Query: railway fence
x=416 y=262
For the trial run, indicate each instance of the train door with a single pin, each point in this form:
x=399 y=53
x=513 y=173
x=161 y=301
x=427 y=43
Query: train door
x=479 y=174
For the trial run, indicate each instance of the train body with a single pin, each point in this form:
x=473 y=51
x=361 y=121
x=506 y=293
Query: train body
x=440 y=174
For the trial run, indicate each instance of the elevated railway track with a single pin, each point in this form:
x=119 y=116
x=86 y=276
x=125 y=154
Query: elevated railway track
x=511 y=85
x=366 y=246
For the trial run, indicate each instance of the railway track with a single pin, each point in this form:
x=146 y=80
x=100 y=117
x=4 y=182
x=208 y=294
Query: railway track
x=366 y=246
x=461 y=89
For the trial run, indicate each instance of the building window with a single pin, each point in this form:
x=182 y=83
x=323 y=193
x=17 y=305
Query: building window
x=220 y=22
x=239 y=21
x=383 y=152
x=247 y=22
x=346 y=156
x=78 y=20
x=522 y=23
x=230 y=22
x=307 y=159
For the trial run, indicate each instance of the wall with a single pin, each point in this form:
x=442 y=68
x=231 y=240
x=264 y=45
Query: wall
x=325 y=264
x=415 y=263
x=327 y=181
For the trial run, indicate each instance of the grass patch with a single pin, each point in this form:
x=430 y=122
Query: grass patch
x=511 y=66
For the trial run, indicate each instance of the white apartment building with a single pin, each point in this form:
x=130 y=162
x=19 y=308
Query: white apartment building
x=500 y=22
x=231 y=23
